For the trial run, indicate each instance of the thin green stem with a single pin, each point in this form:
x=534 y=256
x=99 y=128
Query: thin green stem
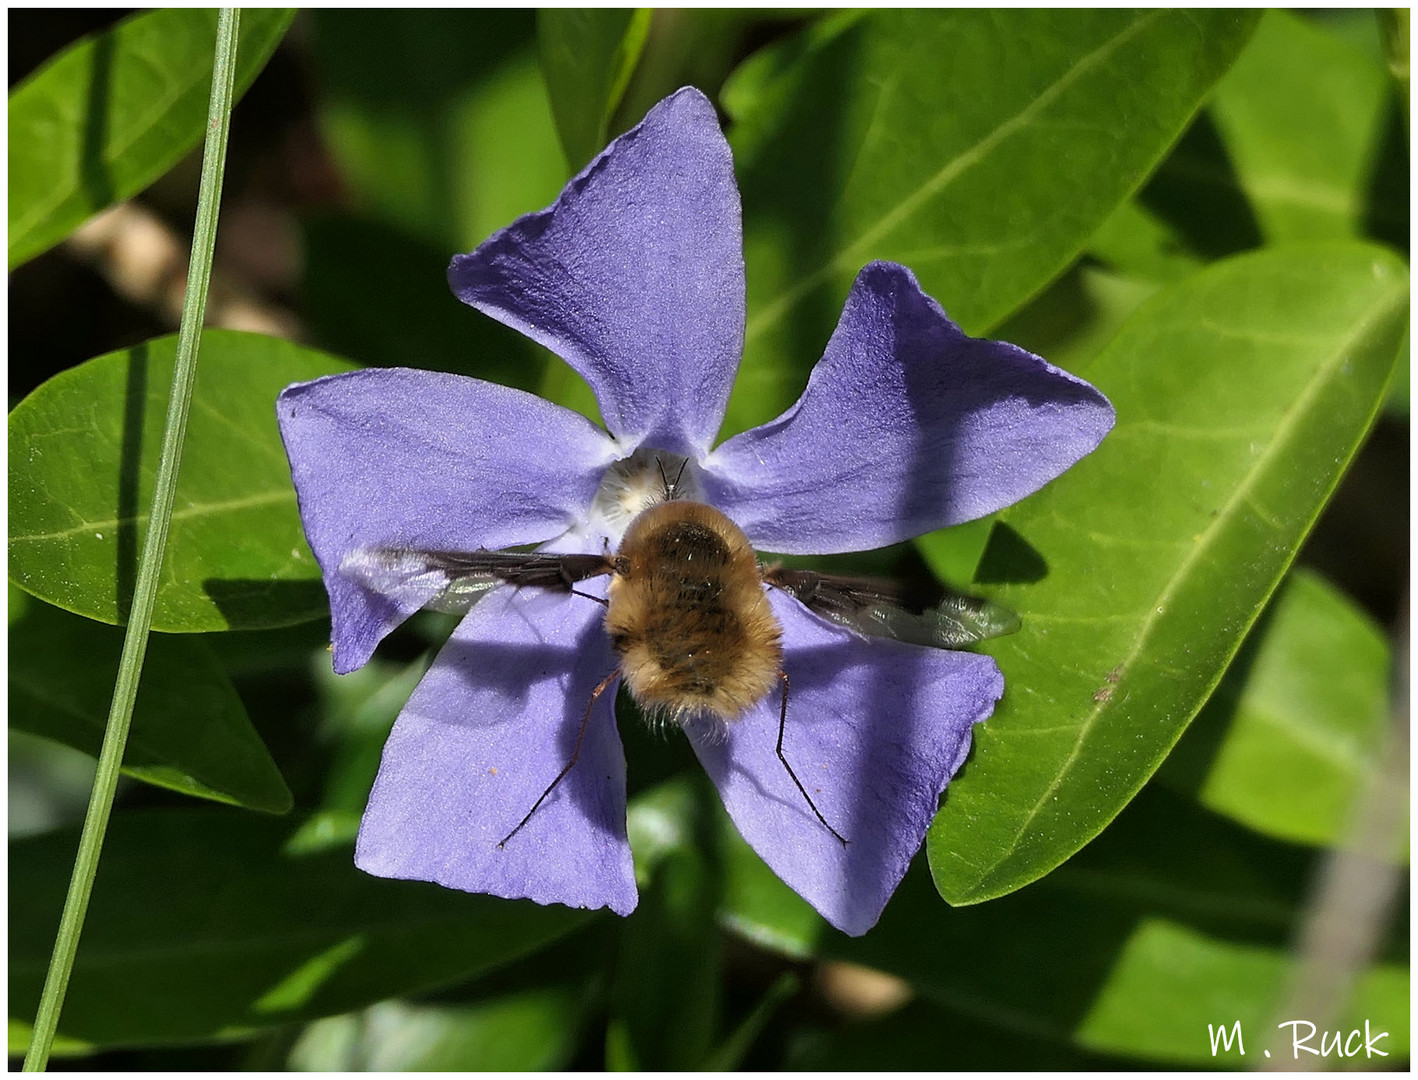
x=135 y=641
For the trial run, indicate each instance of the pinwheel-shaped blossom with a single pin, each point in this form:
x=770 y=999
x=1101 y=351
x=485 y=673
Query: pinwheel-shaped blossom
x=635 y=277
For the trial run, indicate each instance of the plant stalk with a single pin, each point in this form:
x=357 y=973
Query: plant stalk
x=135 y=641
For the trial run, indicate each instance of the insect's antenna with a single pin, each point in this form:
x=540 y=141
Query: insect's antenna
x=575 y=753
x=671 y=486
x=782 y=722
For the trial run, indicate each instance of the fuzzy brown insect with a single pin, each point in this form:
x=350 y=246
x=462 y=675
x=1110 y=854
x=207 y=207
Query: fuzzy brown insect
x=688 y=616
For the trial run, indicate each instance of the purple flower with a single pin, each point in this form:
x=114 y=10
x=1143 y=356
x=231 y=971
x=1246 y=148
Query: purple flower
x=635 y=277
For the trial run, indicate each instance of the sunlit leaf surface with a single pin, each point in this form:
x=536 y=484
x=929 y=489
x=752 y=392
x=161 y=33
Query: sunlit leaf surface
x=1304 y=117
x=980 y=148
x=587 y=56
x=112 y=113
x=1297 y=723
x=1241 y=394
x=83 y=456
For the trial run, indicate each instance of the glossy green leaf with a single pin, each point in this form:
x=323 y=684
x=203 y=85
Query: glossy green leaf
x=1192 y=210
x=438 y=118
x=1297 y=723
x=440 y=125
x=1303 y=116
x=1302 y=140
x=190 y=731
x=113 y=112
x=22 y=1031
x=1241 y=395
x=359 y=710
x=204 y=924
x=587 y=57
x=953 y=553
x=1171 y=919
x=83 y=457
x=530 y=1030
x=980 y=148
x=698 y=46
x=1171 y=983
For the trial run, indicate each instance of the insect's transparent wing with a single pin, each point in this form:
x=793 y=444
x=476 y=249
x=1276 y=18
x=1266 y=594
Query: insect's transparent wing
x=955 y=622
x=878 y=609
x=452 y=581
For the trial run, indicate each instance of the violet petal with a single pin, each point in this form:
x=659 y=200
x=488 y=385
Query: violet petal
x=634 y=277
x=389 y=457
x=875 y=729
x=907 y=425
x=484 y=734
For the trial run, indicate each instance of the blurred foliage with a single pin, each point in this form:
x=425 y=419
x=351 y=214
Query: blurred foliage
x=1206 y=213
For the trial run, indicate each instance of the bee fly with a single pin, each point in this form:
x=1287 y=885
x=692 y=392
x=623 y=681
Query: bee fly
x=687 y=613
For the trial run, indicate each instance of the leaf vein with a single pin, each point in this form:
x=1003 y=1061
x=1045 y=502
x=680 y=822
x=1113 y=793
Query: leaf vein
x=947 y=173
x=1157 y=612
x=196 y=509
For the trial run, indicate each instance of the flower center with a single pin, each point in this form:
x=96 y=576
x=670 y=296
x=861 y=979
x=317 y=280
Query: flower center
x=634 y=484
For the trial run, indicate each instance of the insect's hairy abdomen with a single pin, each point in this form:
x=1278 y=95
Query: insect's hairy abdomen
x=688 y=616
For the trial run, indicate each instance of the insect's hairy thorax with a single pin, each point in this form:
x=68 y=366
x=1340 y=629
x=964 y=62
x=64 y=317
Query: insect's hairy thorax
x=688 y=616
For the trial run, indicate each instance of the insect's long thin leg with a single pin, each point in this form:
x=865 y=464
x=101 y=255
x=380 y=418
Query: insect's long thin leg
x=782 y=723
x=598 y=599
x=575 y=753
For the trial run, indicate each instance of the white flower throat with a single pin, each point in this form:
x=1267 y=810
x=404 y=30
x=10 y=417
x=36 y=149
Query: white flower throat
x=636 y=483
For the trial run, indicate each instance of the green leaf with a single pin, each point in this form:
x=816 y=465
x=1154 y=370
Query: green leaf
x=440 y=125
x=1303 y=116
x=1142 y=243
x=190 y=731
x=1301 y=141
x=528 y=1030
x=83 y=457
x=204 y=924
x=113 y=112
x=697 y=46
x=21 y=1032
x=953 y=553
x=1241 y=396
x=1170 y=983
x=980 y=148
x=1173 y=919
x=1297 y=723
x=438 y=119
x=587 y=56
x=360 y=708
